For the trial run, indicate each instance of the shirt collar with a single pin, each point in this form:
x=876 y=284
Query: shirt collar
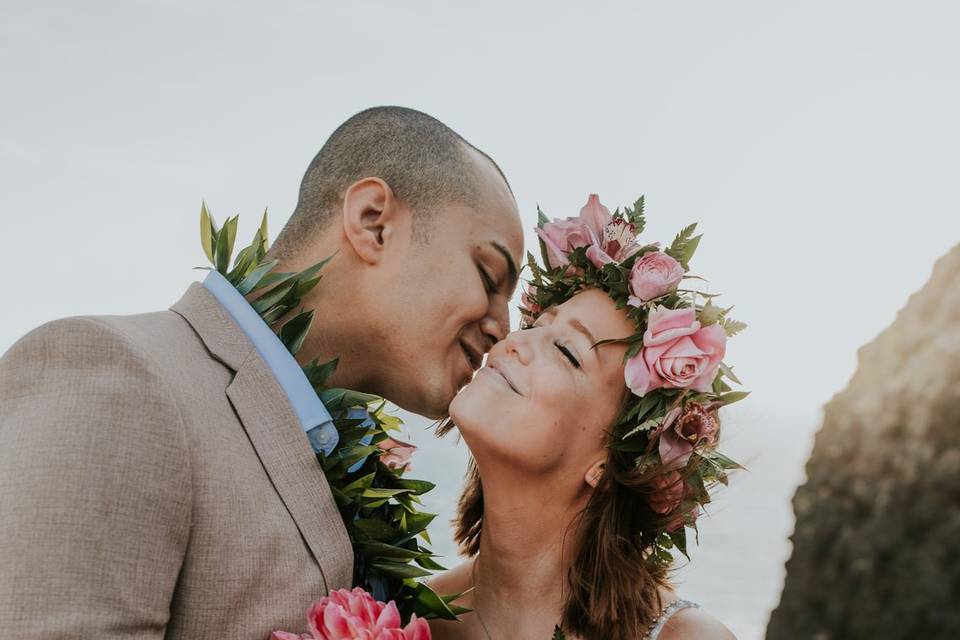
x=308 y=407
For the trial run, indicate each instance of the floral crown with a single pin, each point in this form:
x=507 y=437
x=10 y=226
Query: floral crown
x=674 y=362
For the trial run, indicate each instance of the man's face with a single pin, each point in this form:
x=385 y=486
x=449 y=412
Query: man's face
x=449 y=299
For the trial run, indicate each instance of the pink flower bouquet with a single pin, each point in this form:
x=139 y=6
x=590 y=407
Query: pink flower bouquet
x=355 y=615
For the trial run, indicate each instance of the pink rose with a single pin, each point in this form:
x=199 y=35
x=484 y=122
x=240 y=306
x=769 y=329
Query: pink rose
x=355 y=615
x=561 y=237
x=681 y=431
x=396 y=454
x=668 y=492
x=653 y=275
x=677 y=353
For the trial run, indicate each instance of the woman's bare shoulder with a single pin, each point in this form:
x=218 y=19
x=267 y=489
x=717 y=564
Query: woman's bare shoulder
x=455 y=580
x=696 y=623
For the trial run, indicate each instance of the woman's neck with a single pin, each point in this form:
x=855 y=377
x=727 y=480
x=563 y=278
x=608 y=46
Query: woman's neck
x=526 y=547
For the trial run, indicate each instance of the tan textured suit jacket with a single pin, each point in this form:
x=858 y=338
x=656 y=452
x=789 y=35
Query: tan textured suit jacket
x=156 y=483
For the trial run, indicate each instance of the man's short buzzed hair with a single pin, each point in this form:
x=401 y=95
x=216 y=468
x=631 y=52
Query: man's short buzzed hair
x=424 y=161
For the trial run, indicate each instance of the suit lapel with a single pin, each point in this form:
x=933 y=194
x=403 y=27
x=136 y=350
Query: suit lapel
x=276 y=434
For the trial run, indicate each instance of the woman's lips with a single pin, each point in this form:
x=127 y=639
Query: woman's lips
x=504 y=377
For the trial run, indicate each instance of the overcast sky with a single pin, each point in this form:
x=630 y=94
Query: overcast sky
x=817 y=144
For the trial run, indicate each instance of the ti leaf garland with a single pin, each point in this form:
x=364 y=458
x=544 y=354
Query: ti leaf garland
x=380 y=508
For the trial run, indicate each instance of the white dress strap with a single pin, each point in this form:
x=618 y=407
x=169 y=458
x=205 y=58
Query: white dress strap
x=660 y=622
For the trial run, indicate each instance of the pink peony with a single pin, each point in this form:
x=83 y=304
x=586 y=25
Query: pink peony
x=653 y=275
x=355 y=615
x=396 y=454
x=668 y=491
x=677 y=353
x=682 y=430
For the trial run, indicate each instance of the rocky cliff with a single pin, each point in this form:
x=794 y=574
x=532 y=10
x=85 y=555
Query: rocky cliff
x=876 y=549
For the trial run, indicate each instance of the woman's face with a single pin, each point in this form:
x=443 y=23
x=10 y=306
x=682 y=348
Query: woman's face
x=546 y=397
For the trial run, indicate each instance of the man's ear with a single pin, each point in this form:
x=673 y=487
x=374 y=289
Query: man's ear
x=369 y=217
x=594 y=473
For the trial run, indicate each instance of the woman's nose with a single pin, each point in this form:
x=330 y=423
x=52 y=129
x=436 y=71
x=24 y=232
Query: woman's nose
x=517 y=344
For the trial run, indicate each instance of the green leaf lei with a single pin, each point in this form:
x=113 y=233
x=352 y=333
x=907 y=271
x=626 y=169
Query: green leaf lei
x=378 y=505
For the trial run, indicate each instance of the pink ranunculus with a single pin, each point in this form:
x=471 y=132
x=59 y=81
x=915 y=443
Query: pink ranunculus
x=396 y=454
x=653 y=275
x=355 y=615
x=681 y=431
x=561 y=237
x=677 y=353
x=668 y=492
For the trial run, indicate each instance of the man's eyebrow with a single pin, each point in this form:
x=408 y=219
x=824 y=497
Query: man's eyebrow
x=512 y=270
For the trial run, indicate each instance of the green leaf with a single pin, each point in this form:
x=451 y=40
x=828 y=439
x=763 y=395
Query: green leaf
x=318 y=374
x=684 y=245
x=558 y=634
x=251 y=280
x=294 y=331
x=416 y=487
x=733 y=396
x=542 y=218
x=264 y=241
x=230 y=227
x=206 y=232
x=397 y=570
x=383 y=550
x=383 y=493
x=732 y=327
x=728 y=371
x=646 y=425
x=417 y=522
x=220 y=253
x=376 y=529
x=360 y=485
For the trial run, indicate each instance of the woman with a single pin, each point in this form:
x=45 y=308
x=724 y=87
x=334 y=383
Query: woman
x=561 y=525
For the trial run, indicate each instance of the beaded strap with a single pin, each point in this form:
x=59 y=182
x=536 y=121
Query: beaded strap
x=660 y=621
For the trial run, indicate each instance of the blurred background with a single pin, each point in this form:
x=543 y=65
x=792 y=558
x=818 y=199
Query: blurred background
x=816 y=143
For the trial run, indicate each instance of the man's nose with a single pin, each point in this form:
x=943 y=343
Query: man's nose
x=496 y=324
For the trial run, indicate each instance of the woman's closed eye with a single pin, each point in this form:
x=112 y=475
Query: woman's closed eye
x=567 y=354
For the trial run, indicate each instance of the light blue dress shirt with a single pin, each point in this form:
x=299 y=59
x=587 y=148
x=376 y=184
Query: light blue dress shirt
x=313 y=415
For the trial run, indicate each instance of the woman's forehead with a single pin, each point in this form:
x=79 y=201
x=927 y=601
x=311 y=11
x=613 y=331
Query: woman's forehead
x=598 y=312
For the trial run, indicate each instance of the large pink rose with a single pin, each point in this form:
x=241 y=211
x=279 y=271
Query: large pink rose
x=653 y=275
x=677 y=353
x=682 y=430
x=396 y=454
x=355 y=615
x=561 y=237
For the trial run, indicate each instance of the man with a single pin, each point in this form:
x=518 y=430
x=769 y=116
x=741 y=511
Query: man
x=157 y=472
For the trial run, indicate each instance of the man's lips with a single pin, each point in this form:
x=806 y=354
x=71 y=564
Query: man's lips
x=474 y=355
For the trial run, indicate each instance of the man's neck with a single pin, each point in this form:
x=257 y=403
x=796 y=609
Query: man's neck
x=335 y=331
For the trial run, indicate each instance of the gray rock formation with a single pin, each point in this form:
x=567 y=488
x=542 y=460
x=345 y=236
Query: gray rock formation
x=876 y=549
